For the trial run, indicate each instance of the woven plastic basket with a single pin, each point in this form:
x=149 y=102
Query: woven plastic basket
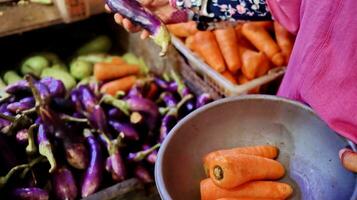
x=217 y=81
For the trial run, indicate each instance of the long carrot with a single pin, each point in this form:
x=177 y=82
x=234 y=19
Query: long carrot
x=285 y=40
x=190 y=42
x=229 y=76
x=261 y=39
x=153 y=89
x=228 y=44
x=184 y=29
x=256 y=189
x=242 y=80
x=122 y=84
x=266 y=151
x=116 y=60
x=349 y=159
x=207 y=46
x=109 y=71
x=242 y=40
x=253 y=63
x=229 y=171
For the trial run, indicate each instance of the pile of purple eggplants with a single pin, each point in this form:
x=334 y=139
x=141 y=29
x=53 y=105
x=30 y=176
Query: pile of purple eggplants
x=58 y=144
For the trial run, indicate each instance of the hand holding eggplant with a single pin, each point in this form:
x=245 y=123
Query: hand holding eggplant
x=134 y=13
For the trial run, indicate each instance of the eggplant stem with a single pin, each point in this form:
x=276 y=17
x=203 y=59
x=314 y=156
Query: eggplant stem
x=5 y=179
x=29 y=111
x=34 y=91
x=136 y=117
x=120 y=104
x=31 y=147
x=143 y=154
x=8 y=118
x=180 y=84
x=69 y=118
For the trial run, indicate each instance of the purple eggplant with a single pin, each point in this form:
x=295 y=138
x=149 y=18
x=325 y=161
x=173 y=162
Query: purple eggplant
x=6 y=112
x=93 y=175
x=203 y=99
x=56 y=87
x=143 y=174
x=45 y=147
x=64 y=185
x=30 y=194
x=126 y=128
x=141 y=155
x=76 y=100
x=76 y=153
x=136 y=104
x=169 y=99
x=168 y=122
x=115 y=165
x=152 y=157
x=18 y=87
x=138 y=15
x=165 y=85
x=87 y=98
x=115 y=113
x=22 y=105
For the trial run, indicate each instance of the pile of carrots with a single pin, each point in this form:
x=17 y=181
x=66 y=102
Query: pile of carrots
x=241 y=53
x=116 y=74
x=244 y=173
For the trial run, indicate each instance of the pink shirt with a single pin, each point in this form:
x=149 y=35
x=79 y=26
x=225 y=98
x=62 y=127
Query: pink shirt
x=323 y=68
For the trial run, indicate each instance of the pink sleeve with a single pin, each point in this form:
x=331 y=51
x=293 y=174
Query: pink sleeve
x=322 y=71
x=287 y=13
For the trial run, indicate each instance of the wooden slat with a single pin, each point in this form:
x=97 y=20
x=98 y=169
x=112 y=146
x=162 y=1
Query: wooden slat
x=17 y=19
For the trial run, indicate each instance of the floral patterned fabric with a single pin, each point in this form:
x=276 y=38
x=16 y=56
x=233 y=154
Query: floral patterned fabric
x=232 y=10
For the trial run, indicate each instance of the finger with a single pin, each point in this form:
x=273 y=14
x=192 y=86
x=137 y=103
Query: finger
x=107 y=8
x=146 y=2
x=130 y=27
x=349 y=159
x=118 y=18
x=145 y=34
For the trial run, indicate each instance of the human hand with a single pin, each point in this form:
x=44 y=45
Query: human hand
x=160 y=8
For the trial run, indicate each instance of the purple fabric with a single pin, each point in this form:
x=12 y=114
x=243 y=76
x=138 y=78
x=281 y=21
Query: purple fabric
x=323 y=68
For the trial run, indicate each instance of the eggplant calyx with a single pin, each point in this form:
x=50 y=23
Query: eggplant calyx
x=45 y=149
x=120 y=104
x=141 y=155
x=162 y=38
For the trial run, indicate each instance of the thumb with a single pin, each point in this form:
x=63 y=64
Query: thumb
x=348 y=159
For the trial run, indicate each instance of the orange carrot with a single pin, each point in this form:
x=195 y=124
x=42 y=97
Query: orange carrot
x=229 y=171
x=184 y=29
x=252 y=62
x=228 y=44
x=207 y=46
x=285 y=40
x=109 y=71
x=152 y=91
x=122 y=84
x=256 y=189
x=261 y=39
x=190 y=42
x=229 y=76
x=116 y=60
x=242 y=41
x=349 y=159
x=266 y=151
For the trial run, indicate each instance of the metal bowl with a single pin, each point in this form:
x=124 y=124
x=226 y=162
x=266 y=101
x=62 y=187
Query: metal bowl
x=308 y=148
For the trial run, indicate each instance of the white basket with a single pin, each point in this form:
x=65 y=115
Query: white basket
x=217 y=81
